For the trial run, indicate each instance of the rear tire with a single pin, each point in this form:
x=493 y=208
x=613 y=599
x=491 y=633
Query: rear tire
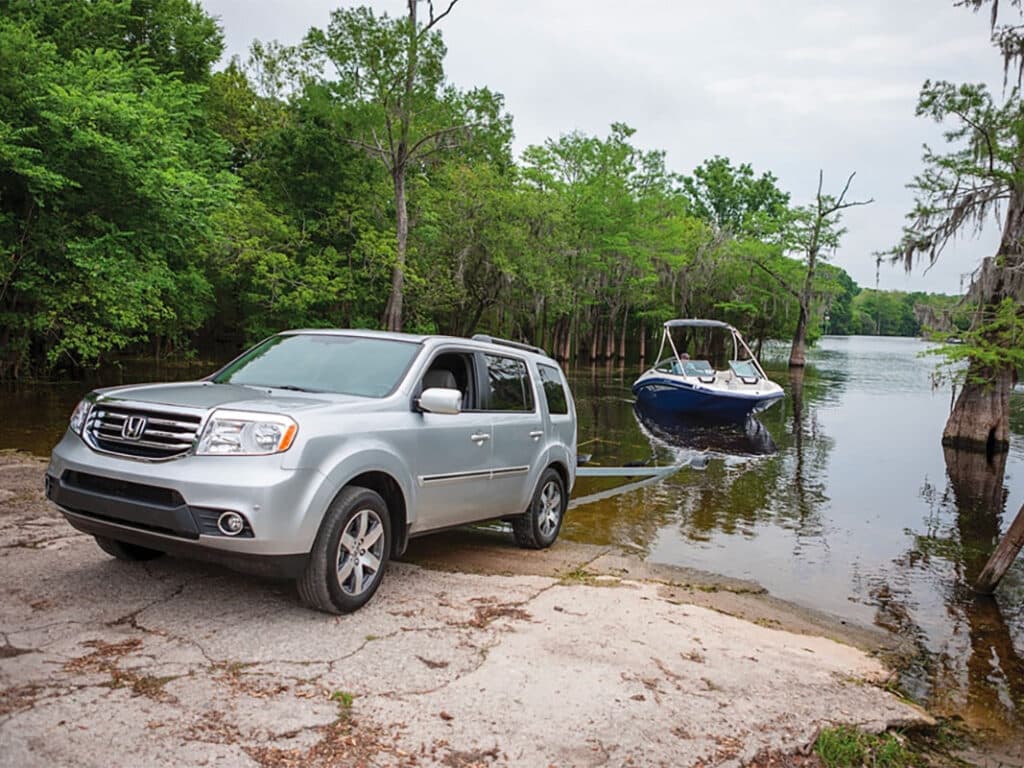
x=538 y=527
x=349 y=556
x=122 y=550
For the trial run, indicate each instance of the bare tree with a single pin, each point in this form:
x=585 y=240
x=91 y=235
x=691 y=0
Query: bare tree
x=817 y=231
x=813 y=231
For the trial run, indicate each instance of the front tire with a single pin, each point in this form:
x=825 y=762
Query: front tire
x=122 y=550
x=538 y=527
x=347 y=562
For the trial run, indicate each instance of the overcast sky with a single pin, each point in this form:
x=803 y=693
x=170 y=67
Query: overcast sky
x=790 y=86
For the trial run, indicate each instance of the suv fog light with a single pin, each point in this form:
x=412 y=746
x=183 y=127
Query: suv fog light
x=230 y=523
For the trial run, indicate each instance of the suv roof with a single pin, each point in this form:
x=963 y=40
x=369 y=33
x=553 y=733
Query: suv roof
x=481 y=340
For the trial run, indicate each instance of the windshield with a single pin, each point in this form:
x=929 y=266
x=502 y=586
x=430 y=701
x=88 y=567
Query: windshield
x=347 y=365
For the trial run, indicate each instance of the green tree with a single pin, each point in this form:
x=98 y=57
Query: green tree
x=390 y=74
x=110 y=178
x=734 y=200
x=981 y=176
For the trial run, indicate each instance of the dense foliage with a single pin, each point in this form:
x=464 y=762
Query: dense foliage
x=149 y=202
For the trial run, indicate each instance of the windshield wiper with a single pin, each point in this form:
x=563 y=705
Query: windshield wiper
x=289 y=387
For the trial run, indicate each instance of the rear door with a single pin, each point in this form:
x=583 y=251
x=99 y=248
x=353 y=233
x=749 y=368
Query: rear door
x=518 y=430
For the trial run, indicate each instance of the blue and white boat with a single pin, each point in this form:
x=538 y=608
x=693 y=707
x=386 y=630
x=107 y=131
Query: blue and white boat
x=678 y=385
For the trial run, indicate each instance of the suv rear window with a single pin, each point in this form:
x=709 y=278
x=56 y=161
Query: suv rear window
x=509 y=384
x=558 y=404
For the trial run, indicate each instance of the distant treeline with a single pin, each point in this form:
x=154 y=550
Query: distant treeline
x=151 y=204
x=898 y=313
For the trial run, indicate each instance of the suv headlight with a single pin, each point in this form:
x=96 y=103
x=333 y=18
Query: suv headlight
x=79 y=415
x=242 y=433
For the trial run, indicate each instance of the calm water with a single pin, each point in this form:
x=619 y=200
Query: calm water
x=855 y=509
x=859 y=512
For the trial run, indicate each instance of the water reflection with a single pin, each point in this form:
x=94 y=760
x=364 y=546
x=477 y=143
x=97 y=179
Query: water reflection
x=749 y=438
x=971 y=667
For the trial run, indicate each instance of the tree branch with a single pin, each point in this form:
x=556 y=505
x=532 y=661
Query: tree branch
x=839 y=205
x=435 y=19
x=782 y=283
x=370 y=149
x=436 y=135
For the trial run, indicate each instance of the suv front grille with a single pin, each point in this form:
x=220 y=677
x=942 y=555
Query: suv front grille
x=143 y=433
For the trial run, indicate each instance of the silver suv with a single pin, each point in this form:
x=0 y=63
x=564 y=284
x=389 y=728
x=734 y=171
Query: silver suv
x=317 y=454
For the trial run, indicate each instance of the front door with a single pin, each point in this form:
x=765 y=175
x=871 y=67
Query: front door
x=454 y=451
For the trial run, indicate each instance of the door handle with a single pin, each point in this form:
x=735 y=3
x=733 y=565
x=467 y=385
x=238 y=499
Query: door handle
x=537 y=434
x=479 y=437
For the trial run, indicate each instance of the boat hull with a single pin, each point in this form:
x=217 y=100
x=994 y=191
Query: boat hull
x=683 y=398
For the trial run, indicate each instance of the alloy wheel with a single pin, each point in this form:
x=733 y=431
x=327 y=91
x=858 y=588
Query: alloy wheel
x=360 y=552
x=550 y=508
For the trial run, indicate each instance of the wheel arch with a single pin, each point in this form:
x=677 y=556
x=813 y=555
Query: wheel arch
x=563 y=472
x=391 y=491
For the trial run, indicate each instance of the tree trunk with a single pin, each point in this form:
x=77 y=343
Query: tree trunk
x=798 y=353
x=980 y=420
x=622 y=337
x=393 y=311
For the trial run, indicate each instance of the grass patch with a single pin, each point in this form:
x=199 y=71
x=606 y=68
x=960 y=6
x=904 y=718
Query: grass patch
x=151 y=685
x=578 y=575
x=846 y=747
x=344 y=699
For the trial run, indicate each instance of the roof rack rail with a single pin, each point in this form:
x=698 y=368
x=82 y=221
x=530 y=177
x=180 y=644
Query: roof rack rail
x=506 y=343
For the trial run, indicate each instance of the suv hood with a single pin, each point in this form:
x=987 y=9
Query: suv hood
x=207 y=395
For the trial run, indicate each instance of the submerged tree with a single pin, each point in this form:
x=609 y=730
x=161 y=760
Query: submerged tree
x=814 y=232
x=979 y=179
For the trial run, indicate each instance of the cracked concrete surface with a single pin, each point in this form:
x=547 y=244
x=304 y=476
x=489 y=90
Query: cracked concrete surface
x=178 y=663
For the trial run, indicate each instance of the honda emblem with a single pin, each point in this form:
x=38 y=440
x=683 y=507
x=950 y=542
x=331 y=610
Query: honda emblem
x=133 y=427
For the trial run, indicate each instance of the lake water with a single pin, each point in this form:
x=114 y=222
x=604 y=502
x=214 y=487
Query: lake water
x=856 y=509
x=859 y=512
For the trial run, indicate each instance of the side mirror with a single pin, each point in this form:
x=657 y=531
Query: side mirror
x=438 y=400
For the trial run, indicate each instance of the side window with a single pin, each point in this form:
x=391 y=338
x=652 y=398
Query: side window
x=509 y=384
x=453 y=370
x=558 y=403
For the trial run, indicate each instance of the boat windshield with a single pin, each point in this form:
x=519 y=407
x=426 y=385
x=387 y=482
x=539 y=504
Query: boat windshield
x=746 y=370
x=697 y=368
x=688 y=368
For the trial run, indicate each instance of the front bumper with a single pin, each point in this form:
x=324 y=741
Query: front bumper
x=176 y=503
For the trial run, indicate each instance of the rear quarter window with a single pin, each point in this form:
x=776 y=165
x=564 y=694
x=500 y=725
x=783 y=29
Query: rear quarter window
x=554 y=390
